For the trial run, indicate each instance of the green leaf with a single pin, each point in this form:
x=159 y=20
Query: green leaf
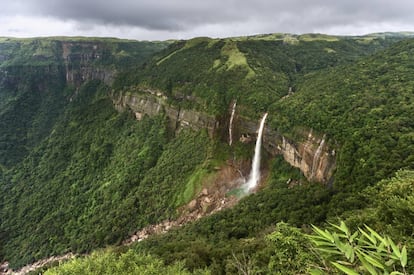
x=342 y=228
x=404 y=256
x=395 y=248
x=374 y=262
x=328 y=251
x=378 y=236
x=390 y=262
x=351 y=239
x=323 y=243
x=326 y=234
x=316 y=272
x=345 y=269
x=369 y=237
x=349 y=252
x=366 y=264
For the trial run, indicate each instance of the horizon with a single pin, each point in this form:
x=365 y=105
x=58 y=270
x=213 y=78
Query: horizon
x=179 y=19
x=403 y=33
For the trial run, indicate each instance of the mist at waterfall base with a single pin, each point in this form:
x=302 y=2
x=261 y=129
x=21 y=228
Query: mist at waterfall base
x=254 y=176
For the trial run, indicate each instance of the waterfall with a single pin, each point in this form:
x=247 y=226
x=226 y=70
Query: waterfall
x=315 y=161
x=254 y=176
x=233 y=111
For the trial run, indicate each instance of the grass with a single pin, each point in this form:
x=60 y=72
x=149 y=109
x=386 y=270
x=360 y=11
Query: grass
x=190 y=43
x=235 y=58
x=192 y=187
x=317 y=36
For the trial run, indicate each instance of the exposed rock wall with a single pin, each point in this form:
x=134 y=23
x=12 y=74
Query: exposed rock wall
x=148 y=104
x=311 y=154
x=79 y=59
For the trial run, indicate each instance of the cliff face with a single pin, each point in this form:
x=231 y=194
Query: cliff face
x=79 y=59
x=155 y=103
x=311 y=155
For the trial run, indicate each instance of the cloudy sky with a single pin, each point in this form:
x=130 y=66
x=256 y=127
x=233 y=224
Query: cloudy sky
x=165 y=19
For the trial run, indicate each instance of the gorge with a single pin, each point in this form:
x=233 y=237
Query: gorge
x=105 y=142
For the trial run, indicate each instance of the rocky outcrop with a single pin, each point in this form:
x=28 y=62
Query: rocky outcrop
x=311 y=154
x=152 y=103
x=4 y=269
x=80 y=60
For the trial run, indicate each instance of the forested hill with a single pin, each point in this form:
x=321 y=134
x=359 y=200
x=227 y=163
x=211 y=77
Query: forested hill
x=257 y=71
x=102 y=137
x=38 y=77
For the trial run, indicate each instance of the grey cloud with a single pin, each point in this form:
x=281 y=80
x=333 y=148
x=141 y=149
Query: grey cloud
x=182 y=15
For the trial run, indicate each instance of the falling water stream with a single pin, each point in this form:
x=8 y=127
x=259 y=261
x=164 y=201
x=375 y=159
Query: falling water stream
x=233 y=110
x=254 y=176
x=316 y=157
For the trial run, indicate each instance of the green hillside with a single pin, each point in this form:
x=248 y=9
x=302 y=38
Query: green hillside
x=82 y=169
x=33 y=88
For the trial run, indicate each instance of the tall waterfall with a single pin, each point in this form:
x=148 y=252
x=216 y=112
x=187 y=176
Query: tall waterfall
x=233 y=111
x=254 y=176
x=316 y=157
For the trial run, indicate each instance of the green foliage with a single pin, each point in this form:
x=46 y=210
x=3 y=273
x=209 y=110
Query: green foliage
x=363 y=251
x=234 y=238
x=292 y=251
x=208 y=74
x=33 y=89
x=111 y=262
x=91 y=180
x=31 y=100
x=366 y=107
x=98 y=51
x=78 y=175
x=192 y=187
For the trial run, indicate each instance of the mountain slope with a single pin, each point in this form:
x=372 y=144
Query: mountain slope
x=38 y=78
x=366 y=107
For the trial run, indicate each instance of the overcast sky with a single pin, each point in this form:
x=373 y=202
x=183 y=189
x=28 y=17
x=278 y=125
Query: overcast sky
x=173 y=19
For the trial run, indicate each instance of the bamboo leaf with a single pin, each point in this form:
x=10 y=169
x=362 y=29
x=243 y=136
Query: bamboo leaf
x=395 y=248
x=329 y=251
x=349 y=252
x=325 y=233
x=342 y=227
x=316 y=272
x=366 y=264
x=404 y=256
x=345 y=269
x=378 y=236
x=371 y=239
x=374 y=262
x=351 y=239
x=390 y=262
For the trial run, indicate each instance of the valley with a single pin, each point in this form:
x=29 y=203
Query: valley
x=105 y=143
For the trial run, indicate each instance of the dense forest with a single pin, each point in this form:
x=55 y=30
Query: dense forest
x=103 y=137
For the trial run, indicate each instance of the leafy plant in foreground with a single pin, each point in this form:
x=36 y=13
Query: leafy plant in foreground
x=363 y=251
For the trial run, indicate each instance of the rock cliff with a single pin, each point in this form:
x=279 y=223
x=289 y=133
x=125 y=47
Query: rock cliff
x=311 y=154
x=80 y=60
x=152 y=102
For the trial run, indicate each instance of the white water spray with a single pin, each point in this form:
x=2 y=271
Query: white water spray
x=233 y=111
x=254 y=176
